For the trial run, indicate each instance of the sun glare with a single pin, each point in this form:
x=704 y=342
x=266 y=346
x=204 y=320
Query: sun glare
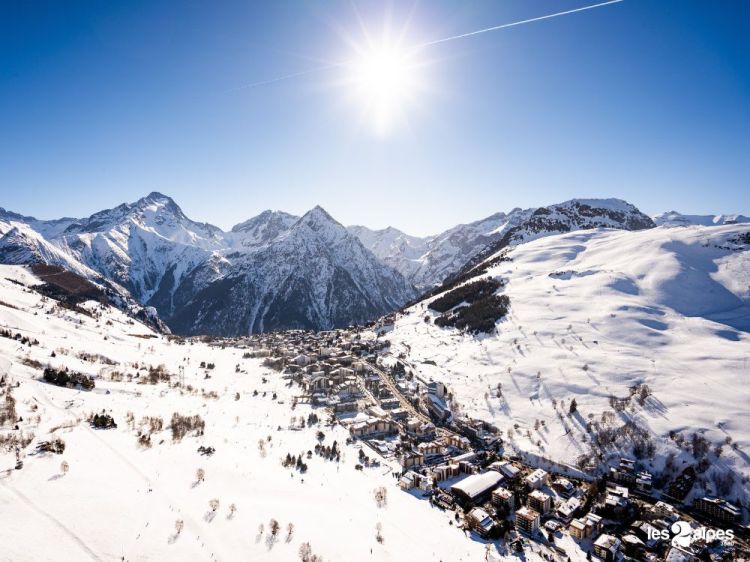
x=385 y=80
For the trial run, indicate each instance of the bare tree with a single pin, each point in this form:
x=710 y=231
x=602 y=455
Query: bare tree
x=273 y=527
x=232 y=510
x=178 y=526
x=379 y=533
x=200 y=475
x=64 y=467
x=213 y=504
x=289 y=532
x=381 y=496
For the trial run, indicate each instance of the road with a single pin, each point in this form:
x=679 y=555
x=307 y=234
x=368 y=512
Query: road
x=405 y=403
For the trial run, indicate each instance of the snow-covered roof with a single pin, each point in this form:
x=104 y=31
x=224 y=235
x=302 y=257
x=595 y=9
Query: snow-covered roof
x=477 y=484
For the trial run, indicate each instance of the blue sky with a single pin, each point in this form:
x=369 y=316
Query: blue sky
x=103 y=102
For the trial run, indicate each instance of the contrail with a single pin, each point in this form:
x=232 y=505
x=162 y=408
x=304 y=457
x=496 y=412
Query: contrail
x=515 y=23
x=430 y=43
x=285 y=77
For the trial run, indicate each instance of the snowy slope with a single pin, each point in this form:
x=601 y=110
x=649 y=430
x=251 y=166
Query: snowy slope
x=261 y=230
x=427 y=262
x=119 y=500
x=592 y=314
x=673 y=218
x=314 y=275
x=186 y=270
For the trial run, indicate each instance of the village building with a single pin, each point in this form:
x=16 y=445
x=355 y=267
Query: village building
x=503 y=499
x=508 y=470
x=665 y=511
x=477 y=487
x=567 y=510
x=606 y=547
x=430 y=449
x=527 y=521
x=585 y=527
x=480 y=521
x=373 y=427
x=720 y=510
x=537 y=479
x=616 y=501
x=540 y=502
x=564 y=487
x=411 y=459
x=632 y=546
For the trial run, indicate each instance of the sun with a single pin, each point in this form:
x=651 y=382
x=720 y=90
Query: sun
x=385 y=79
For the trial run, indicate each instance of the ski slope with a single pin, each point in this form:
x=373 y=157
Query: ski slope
x=121 y=501
x=592 y=314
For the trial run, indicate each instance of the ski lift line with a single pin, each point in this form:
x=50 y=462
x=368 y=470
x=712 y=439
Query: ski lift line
x=331 y=66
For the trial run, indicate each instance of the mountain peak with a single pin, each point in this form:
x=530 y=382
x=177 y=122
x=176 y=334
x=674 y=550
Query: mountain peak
x=318 y=215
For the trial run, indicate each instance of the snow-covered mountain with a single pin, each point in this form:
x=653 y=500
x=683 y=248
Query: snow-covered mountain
x=273 y=271
x=427 y=262
x=673 y=218
x=148 y=469
x=648 y=331
x=314 y=275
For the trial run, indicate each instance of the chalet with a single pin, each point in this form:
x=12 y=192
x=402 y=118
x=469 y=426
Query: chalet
x=537 y=479
x=511 y=472
x=470 y=456
x=567 y=510
x=645 y=530
x=390 y=404
x=527 y=521
x=420 y=429
x=564 y=487
x=540 y=502
x=585 y=527
x=606 y=547
x=477 y=487
x=409 y=480
x=480 y=521
x=664 y=511
x=578 y=529
x=616 y=501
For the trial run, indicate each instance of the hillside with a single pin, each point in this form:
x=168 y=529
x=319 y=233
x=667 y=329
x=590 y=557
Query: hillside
x=146 y=470
x=427 y=262
x=194 y=274
x=598 y=316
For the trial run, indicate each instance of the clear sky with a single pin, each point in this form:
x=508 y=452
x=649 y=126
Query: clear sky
x=103 y=102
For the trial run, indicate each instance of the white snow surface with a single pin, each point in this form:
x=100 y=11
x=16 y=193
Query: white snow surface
x=426 y=262
x=152 y=251
x=120 y=501
x=593 y=313
x=673 y=218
